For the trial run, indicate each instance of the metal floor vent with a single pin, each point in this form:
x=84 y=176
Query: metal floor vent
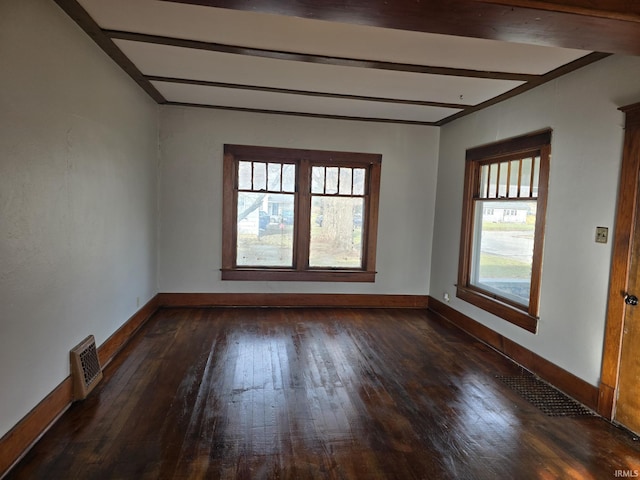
x=552 y=402
x=85 y=368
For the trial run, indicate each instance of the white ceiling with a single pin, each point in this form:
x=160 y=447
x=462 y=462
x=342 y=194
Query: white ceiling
x=345 y=70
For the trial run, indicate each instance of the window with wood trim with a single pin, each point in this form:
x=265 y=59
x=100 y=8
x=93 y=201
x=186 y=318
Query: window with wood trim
x=306 y=215
x=505 y=198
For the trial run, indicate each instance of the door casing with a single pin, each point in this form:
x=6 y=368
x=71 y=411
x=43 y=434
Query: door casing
x=626 y=215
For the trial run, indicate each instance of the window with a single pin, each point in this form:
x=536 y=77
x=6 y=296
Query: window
x=293 y=214
x=504 y=206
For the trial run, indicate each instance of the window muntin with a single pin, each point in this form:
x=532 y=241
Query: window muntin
x=299 y=214
x=503 y=227
x=514 y=179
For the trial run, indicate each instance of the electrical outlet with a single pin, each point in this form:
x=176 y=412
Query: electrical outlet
x=446 y=296
x=602 y=234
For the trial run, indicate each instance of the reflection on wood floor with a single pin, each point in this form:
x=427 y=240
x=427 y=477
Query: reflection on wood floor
x=314 y=394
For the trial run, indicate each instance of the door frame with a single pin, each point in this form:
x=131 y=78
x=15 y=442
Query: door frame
x=626 y=214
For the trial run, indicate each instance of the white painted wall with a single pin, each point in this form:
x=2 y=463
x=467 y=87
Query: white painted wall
x=191 y=144
x=581 y=108
x=78 y=164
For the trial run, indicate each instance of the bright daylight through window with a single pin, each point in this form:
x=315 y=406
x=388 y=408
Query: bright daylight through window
x=503 y=227
x=299 y=214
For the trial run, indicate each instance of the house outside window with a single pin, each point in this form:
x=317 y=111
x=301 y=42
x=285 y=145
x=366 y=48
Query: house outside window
x=503 y=227
x=294 y=214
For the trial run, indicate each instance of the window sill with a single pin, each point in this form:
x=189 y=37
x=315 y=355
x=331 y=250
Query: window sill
x=284 y=275
x=503 y=310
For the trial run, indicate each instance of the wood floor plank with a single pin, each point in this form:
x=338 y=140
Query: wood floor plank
x=242 y=393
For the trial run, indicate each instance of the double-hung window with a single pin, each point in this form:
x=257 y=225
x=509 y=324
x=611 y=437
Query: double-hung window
x=292 y=214
x=503 y=216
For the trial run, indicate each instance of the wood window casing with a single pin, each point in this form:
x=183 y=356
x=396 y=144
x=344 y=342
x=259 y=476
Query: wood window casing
x=535 y=145
x=304 y=161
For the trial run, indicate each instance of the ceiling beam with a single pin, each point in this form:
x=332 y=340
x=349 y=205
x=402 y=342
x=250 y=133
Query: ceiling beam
x=304 y=114
x=91 y=28
x=306 y=93
x=319 y=59
x=628 y=10
x=552 y=75
x=596 y=25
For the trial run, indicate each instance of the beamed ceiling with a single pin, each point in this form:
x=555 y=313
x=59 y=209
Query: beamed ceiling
x=400 y=61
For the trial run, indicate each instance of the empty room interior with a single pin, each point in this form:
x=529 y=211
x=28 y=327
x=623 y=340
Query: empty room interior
x=351 y=239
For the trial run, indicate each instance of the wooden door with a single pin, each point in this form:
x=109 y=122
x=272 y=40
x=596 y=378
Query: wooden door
x=620 y=380
x=628 y=403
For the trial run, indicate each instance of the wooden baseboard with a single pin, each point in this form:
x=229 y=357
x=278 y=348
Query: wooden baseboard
x=17 y=441
x=606 y=400
x=565 y=381
x=110 y=348
x=291 y=300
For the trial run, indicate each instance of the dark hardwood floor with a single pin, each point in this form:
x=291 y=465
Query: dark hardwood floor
x=313 y=394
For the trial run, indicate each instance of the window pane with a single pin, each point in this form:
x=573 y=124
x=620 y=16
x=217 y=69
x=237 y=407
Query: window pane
x=358 y=181
x=345 y=181
x=317 y=179
x=275 y=179
x=265 y=230
x=484 y=181
x=525 y=178
x=536 y=175
x=336 y=232
x=513 y=180
x=331 y=180
x=244 y=175
x=493 y=180
x=502 y=254
x=288 y=178
x=503 y=180
x=259 y=176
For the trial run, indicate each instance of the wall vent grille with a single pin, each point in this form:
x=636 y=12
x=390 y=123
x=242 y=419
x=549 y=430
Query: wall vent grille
x=85 y=368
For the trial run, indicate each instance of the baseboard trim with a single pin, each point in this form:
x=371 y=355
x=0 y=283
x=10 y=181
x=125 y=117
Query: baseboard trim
x=606 y=401
x=19 y=440
x=565 y=381
x=291 y=300
x=112 y=345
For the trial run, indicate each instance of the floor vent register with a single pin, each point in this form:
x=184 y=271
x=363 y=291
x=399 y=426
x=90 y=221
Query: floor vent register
x=549 y=400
